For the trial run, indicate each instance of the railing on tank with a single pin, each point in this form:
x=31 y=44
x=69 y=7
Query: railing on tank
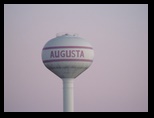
x=66 y=34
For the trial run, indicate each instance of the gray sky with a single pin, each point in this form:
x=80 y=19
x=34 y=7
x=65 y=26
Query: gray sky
x=116 y=81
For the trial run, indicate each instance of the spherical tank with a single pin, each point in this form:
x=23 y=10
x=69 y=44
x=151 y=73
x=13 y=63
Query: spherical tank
x=67 y=55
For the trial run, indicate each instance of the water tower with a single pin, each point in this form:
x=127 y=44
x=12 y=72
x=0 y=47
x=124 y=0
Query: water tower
x=67 y=56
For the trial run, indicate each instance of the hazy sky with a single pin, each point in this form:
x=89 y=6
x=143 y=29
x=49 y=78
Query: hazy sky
x=116 y=81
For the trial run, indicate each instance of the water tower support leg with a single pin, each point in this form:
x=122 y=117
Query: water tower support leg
x=68 y=97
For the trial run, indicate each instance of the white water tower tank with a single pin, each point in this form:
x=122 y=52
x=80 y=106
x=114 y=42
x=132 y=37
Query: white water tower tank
x=67 y=56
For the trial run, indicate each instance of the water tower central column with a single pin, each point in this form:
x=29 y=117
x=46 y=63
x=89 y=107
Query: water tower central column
x=68 y=97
